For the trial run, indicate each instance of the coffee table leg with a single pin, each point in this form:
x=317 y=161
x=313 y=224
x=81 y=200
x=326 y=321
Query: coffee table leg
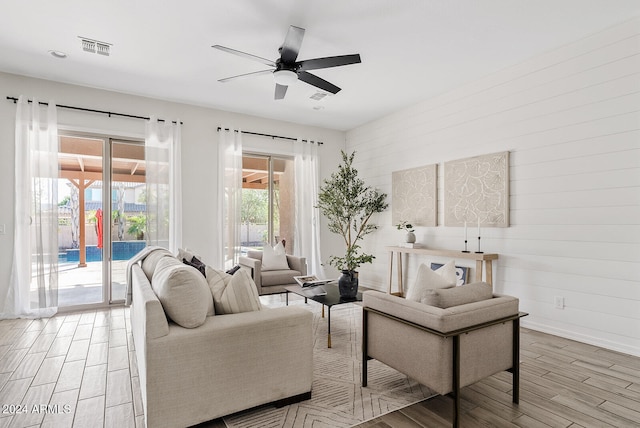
x=328 y=325
x=322 y=311
x=287 y=297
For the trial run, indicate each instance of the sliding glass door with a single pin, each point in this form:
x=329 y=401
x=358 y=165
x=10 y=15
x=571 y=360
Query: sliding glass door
x=101 y=217
x=267 y=201
x=128 y=211
x=80 y=211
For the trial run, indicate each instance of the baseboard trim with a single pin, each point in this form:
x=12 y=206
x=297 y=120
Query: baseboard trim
x=590 y=340
x=292 y=400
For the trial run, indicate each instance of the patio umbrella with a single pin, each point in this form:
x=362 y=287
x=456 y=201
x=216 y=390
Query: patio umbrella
x=99 y=226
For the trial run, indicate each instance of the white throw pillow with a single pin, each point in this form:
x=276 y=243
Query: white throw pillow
x=186 y=253
x=448 y=272
x=217 y=281
x=233 y=294
x=274 y=258
x=182 y=291
x=427 y=279
x=151 y=261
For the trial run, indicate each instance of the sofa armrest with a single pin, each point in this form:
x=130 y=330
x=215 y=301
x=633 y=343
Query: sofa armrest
x=254 y=266
x=297 y=263
x=146 y=309
x=442 y=320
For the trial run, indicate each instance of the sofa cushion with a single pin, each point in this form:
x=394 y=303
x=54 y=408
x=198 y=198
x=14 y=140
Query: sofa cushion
x=470 y=293
x=196 y=263
x=274 y=258
x=233 y=294
x=183 y=292
x=427 y=279
x=279 y=277
x=150 y=262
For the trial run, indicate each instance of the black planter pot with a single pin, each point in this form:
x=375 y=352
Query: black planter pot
x=348 y=284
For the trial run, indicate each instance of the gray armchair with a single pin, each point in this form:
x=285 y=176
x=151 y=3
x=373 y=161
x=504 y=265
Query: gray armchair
x=272 y=281
x=446 y=347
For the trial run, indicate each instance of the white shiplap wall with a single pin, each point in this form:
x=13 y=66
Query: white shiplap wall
x=571 y=120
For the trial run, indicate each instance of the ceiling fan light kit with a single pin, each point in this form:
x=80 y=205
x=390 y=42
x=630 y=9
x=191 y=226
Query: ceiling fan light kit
x=285 y=77
x=288 y=70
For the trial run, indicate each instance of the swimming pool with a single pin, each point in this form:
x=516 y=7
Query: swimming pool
x=121 y=250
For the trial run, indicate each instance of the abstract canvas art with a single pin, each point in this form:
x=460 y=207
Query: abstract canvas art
x=475 y=189
x=414 y=196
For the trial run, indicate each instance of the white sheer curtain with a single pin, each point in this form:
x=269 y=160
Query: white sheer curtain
x=229 y=195
x=33 y=286
x=307 y=216
x=164 y=184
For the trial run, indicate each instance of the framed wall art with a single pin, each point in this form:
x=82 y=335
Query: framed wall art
x=414 y=196
x=477 y=189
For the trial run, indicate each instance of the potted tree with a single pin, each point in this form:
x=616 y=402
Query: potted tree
x=349 y=205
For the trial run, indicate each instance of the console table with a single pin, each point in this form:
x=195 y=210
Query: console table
x=485 y=259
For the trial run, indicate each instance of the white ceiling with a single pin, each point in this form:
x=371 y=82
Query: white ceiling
x=411 y=49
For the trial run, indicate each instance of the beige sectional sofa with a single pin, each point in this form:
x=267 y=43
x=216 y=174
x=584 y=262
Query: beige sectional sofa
x=229 y=363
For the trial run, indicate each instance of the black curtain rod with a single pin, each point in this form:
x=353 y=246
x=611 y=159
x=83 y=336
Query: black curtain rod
x=272 y=136
x=109 y=113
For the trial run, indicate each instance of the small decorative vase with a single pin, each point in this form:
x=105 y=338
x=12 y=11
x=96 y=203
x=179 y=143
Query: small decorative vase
x=348 y=284
x=410 y=238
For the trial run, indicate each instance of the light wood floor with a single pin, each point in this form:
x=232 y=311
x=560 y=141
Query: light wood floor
x=84 y=363
x=563 y=383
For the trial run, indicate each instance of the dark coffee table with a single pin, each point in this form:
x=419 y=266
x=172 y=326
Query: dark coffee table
x=332 y=298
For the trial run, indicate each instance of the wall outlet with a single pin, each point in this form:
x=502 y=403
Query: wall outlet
x=559 y=302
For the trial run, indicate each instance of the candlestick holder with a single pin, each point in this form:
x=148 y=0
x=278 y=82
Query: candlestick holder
x=479 y=252
x=465 y=247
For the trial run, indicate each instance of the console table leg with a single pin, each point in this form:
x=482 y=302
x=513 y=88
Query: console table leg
x=399 y=267
x=390 y=270
x=478 y=270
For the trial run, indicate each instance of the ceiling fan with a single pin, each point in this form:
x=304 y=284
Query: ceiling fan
x=288 y=70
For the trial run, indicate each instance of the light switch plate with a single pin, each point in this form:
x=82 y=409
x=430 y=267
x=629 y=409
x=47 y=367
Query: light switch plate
x=3 y=229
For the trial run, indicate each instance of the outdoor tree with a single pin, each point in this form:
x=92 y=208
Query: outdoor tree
x=64 y=201
x=137 y=226
x=255 y=207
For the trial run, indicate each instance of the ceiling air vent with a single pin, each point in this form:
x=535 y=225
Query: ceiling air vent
x=95 y=46
x=318 y=96
x=103 y=49
x=88 y=46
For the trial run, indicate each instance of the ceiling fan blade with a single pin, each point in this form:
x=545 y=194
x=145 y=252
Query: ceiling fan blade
x=314 y=80
x=242 y=76
x=291 y=46
x=281 y=90
x=245 y=55
x=331 y=61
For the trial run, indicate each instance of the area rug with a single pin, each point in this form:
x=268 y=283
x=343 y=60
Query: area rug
x=338 y=399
